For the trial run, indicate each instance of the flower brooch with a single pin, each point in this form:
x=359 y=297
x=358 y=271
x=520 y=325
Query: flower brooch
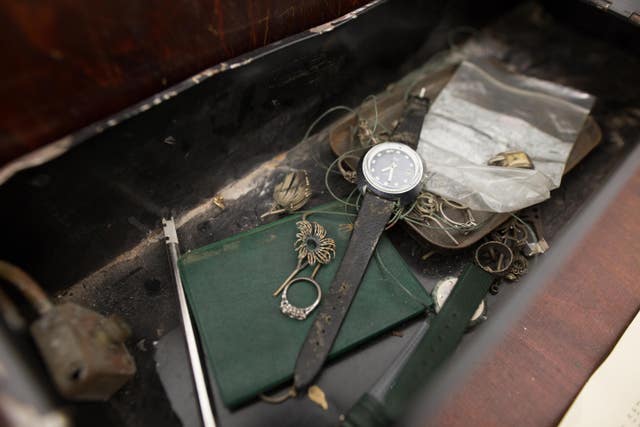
x=314 y=248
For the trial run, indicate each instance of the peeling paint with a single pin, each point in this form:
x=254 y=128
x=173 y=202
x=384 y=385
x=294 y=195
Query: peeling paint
x=241 y=63
x=324 y=28
x=37 y=157
x=333 y=24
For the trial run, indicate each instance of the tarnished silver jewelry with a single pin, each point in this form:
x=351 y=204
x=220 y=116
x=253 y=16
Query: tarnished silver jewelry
x=426 y=204
x=290 y=194
x=443 y=228
x=299 y=313
x=425 y=209
x=469 y=221
x=349 y=174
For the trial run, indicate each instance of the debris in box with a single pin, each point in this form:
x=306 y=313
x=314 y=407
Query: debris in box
x=389 y=188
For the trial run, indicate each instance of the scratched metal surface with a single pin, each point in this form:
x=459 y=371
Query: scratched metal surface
x=68 y=63
x=90 y=233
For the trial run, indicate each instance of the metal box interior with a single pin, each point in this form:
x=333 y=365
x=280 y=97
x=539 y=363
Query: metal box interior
x=87 y=224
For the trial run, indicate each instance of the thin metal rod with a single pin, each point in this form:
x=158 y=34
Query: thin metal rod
x=301 y=266
x=173 y=248
x=28 y=287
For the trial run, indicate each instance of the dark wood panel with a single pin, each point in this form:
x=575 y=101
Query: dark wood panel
x=67 y=63
x=534 y=374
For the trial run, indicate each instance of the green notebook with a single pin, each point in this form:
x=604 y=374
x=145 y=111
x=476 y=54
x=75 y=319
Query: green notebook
x=250 y=345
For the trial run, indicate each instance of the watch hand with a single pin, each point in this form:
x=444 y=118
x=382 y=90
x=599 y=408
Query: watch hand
x=390 y=168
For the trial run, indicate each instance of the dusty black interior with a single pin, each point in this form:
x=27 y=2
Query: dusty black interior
x=87 y=225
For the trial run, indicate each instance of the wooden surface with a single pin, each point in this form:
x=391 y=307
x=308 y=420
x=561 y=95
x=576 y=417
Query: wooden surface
x=67 y=63
x=537 y=370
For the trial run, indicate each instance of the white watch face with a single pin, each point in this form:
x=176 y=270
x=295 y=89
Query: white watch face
x=443 y=289
x=392 y=168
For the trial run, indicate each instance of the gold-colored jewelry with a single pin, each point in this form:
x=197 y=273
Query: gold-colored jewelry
x=313 y=247
x=345 y=169
x=511 y=159
x=494 y=257
x=291 y=194
x=313 y=244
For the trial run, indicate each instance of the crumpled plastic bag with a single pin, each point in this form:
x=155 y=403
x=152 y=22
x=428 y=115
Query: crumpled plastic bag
x=485 y=110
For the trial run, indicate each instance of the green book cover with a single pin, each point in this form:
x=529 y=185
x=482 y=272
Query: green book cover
x=250 y=346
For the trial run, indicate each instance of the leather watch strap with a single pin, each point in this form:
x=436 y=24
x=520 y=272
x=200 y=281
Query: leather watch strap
x=440 y=341
x=410 y=125
x=373 y=216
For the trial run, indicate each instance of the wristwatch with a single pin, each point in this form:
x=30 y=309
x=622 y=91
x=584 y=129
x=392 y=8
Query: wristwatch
x=387 y=401
x=459 y=304
x=390 y=175
x=441 y=292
